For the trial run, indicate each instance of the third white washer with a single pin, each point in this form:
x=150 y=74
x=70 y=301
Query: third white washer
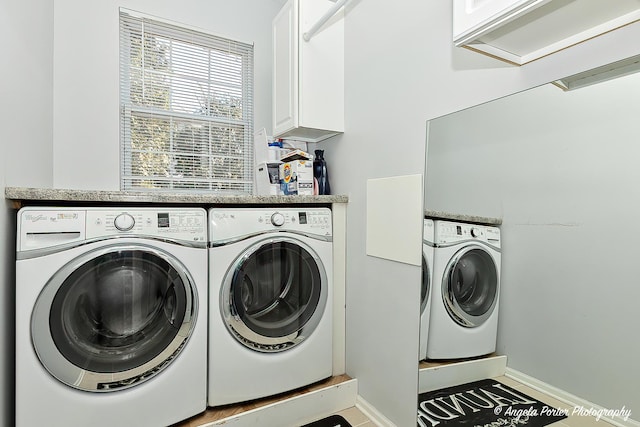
x=428 y=240
x=465 y=296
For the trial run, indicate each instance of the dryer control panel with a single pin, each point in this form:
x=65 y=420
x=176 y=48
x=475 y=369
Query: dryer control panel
x=226 y=224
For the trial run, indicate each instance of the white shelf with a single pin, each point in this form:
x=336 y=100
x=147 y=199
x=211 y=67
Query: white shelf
x=521 y=31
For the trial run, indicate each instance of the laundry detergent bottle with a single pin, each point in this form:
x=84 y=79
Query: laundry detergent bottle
x=320 y=172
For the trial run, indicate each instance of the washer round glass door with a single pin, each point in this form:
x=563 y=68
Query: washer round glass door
x=114 y=317
x=470 y=286
x=274 y=294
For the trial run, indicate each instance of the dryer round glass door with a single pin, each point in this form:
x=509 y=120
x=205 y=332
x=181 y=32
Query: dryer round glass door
x=274 y=295
x=470 y=286
x=114 y=317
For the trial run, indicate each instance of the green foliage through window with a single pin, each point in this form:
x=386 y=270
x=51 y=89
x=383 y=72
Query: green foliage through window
x=186 y=109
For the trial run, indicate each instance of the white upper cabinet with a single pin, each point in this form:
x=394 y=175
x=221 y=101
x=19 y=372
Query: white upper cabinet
x=520 y=31
x=308 y=76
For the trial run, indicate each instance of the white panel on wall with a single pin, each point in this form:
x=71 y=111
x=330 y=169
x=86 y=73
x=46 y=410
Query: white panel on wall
x=394 y=218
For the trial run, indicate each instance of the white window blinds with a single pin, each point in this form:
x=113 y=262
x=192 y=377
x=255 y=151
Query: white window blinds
x=186 y=109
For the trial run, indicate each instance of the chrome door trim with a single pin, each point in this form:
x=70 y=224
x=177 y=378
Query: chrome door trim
x=452 y=306
x=426 y=272
x=249 y=338
x=68 y=373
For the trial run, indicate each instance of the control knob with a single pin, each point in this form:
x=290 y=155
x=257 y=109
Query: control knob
x=277 y=219
x=124 y=222
x=475 y=232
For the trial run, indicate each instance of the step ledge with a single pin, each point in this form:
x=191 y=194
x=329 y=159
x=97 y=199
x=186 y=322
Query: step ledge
x=296 y=410
x=453 y=374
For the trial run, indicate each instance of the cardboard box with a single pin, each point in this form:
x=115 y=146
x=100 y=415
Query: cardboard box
x=296 y=177
x=297 y=154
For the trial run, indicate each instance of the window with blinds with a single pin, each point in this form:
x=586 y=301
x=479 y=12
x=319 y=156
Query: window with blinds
x=186 y=109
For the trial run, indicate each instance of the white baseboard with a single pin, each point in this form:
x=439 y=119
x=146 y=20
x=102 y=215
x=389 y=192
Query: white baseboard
x=567 y=397
x=297 y=410
x=453 y=374
x=372 y=413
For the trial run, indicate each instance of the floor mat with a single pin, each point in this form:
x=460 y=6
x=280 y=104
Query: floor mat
x=481 y=403
x=332 y=421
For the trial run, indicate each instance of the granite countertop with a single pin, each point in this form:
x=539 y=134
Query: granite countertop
x=21 y=195
x=474 y=219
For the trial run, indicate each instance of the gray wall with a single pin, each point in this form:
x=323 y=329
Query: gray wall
x=561 y=169
x=86 y=51
x=26 y=31
x=27 y=92
x=402 y=70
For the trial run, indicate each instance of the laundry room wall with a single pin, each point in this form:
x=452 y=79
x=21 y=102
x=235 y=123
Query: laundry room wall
x=86 y=79
x=7 y=298
x=401 y=70
x=561 y=170
x=26 y=100
x=27 y=91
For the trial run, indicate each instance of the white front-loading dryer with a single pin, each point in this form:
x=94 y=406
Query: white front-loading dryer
x=110 y=316
x=428 y=240
x=270 y=319
x=465 y=296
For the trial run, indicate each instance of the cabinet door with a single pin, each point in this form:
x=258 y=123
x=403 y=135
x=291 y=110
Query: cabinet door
x=285 y=69
x=321 y=68
x=470 y=15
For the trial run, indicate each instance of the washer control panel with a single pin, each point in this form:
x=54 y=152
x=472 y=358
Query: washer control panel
x=452 y=232
x=232 y=223
x=171 y=223
x=40 y=228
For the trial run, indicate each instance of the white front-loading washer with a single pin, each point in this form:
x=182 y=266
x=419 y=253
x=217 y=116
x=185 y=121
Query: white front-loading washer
x=111 y=319
x=465 y=296
x=428 y=241
x=270 y=319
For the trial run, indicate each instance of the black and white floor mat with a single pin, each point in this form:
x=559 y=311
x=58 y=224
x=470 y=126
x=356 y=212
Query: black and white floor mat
x=332 y=421
x=484 y=403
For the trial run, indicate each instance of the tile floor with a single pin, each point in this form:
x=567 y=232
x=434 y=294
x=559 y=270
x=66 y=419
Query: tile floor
x=358 y=419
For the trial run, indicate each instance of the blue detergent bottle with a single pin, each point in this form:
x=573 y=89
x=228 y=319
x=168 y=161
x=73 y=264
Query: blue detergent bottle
x=320 y=172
